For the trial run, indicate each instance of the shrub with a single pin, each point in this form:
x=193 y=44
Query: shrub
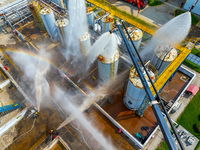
x=154 y=3
x=198 y=54
x=198 y=127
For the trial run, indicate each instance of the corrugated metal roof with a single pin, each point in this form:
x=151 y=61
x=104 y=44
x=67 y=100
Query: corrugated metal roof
x=193 y=89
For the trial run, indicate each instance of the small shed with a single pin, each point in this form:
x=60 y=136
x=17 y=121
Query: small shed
x=193 y=89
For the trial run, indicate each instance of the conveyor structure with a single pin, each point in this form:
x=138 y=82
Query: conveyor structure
x=9 y=107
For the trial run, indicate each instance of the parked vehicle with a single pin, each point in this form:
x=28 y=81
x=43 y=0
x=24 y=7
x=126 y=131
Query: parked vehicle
x=138 y=3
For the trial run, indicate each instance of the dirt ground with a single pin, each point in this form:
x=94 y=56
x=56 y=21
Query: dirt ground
x=39 y=136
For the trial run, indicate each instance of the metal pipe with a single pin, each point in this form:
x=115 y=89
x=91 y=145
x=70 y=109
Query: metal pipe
x=159 y=99
x=12 y=5
x=158 y=114
x=16 y=85
x=22 y=20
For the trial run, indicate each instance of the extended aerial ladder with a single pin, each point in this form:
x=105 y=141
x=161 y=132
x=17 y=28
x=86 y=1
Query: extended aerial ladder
x=154 y=103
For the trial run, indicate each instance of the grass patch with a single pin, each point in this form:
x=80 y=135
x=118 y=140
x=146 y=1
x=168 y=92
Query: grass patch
x=101 y=13
x=154 y=3
x=192 y=65
x=195 y=51
x=162 y=146
x=195 y=20
x=188 y=119
x=190 y=116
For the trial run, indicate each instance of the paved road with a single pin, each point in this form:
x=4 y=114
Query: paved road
x=157 y=15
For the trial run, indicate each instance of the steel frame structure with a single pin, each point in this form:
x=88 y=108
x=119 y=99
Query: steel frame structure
x=15 y=13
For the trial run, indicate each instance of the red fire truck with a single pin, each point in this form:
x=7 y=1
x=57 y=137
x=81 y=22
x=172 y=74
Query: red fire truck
x=138 y=3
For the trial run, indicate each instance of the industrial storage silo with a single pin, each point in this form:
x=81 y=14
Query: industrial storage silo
x=135 y=93
x=108 y=63
x=85 y=43
x=107 y=24
x=59 y=2
x=136 y=36
x=163 y=56
x=62 y=28
x=49 y=22
x=90 y=16
x=35 y=10
x=66 y=4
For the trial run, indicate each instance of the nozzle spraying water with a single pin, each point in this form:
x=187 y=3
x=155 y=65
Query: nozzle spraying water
x=171 y=33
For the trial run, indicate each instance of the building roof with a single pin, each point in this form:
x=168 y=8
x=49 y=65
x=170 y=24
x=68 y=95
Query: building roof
x=193 y=89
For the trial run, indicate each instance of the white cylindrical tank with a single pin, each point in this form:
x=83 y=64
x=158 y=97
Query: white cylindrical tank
x=107 y=24
x=85 y=43
x=49 y=22
x=136 y=36
x=163 y=56
x=108 y=63
x=62 y=28
x=90 y=16
x=135 y=92
x=59 y=2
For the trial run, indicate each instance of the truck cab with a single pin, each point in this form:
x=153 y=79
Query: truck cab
x=139 y=3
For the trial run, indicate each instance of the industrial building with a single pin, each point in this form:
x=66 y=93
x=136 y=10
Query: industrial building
x=121 y=109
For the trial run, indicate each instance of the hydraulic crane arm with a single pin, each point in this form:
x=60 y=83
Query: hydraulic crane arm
x=156 y=109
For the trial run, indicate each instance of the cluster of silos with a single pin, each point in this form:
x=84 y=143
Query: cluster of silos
x=49 y=22
x=163 y=56
x=62 y=29
x=108 y=63
x=135 y=93
x=35 y=10
x=107 y=24
x=90 y=16
x=136 y=36
x=135 y=97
